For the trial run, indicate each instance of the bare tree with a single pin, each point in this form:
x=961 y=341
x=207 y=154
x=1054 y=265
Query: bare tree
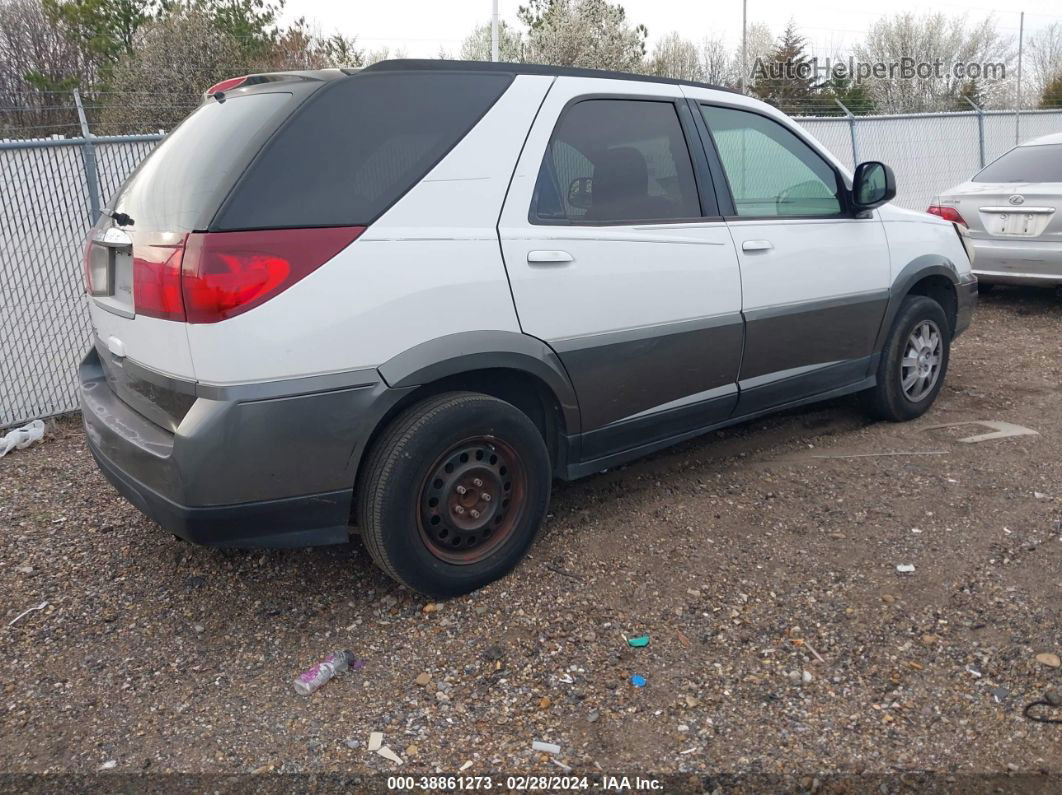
x=674 y=56
x=476 y=46
x=589 y=33
x=39 y=64
x=174 y=60
x=943 y=45
x=708 y=62
x=760 y=44
x=1043 y=54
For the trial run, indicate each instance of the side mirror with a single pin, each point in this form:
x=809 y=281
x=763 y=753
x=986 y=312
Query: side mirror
x=580 y=193
x=873 y=185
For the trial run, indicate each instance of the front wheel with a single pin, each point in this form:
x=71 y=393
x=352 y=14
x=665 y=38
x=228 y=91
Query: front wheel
x=913 y=362
x=454 y=493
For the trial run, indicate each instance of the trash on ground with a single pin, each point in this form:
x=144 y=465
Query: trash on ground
x=1039 y=495
x=561 y=765
x=22 y=437
x=1049 y=659
x=905 y=568
x=1000 y=430
x=110 y=764
x=638 y=681
x=1000 y=694
x=389 y=755
x=465 y=766
x=546 y=748
x=375 y=741
x=311 y=679
x=638 y=642
x=26 y=612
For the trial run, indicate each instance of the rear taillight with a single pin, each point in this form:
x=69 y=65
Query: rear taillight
x=947 y=213
x=226 y=273
x=211 y=276
x=157 y=281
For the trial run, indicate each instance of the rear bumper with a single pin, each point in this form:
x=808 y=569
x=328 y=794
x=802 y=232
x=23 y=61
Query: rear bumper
x=244 y=468
x=1018 y=262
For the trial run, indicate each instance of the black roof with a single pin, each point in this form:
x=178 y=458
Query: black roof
x=499 y=67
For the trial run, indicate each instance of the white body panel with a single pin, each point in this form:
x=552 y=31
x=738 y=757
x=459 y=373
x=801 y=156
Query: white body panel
x=810 y=260
x=427 y=268
x=621 y=276
x=913 y=234
x=161 y=345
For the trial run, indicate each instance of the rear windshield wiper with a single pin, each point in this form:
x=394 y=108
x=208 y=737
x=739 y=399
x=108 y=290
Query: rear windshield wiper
x=122 y=219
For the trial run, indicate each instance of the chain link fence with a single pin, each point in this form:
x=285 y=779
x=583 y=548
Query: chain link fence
x=51 y=191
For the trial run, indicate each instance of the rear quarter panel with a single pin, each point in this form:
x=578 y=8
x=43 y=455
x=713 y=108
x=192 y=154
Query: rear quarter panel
x=429 y=267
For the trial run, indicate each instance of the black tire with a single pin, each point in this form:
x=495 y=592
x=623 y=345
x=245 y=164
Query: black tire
x=411 y=525
x=888 y=400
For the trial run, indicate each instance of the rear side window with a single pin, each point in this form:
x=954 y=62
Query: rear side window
x=1025 y=164
x=616 y=161
x=179 y=185
x=356 y=147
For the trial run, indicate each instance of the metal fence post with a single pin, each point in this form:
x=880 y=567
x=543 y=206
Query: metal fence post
x=980 y=127
x=851 y=132
x=88 y=157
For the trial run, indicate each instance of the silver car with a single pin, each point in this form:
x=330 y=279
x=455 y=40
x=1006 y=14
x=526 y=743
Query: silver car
x=1013 y=211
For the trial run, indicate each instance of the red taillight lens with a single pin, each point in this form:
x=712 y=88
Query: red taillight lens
x=947 y=213
x=157 y=281
x=227 y=85
x=227 y=273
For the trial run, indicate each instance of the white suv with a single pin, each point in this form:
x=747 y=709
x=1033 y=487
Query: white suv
x=400 y=301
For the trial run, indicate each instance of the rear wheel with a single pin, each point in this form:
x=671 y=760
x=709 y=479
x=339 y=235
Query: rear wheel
x=454 y=493
x=913 y=362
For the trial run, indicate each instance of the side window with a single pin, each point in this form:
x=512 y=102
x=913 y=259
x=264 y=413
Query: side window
x=616 y=161
x=770 y=170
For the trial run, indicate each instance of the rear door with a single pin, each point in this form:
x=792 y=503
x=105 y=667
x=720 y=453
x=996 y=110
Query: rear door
x=619 y=259
x=815 y=278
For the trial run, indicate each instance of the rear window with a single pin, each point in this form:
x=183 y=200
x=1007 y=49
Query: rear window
x=181 y=183
x=1025 y=164
x=356 y=147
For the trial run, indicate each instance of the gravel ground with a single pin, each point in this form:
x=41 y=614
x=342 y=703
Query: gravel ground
x=761 y=562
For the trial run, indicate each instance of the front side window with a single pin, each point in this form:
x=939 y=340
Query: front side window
x=770 y=170
x=616 y=161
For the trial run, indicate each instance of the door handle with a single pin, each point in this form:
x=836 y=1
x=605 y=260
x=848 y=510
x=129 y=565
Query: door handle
x=756 y=245
x=549 y=257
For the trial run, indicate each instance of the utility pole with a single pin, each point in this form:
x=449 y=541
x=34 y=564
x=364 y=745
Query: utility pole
x=1017 y=110
x=744 y=44
x=494 y=31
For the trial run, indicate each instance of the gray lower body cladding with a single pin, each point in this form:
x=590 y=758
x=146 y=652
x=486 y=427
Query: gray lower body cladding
x=245 y=467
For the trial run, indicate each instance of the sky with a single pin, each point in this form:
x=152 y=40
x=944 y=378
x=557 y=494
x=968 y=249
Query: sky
x=422 y=27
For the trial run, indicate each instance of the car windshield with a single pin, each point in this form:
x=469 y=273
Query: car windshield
x=1025 y=164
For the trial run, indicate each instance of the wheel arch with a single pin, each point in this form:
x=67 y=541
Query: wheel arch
x=517 y=368
x=931 y=275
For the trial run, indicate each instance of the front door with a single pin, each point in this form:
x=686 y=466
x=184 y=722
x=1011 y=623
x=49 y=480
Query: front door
x=619 y=260
x=815 y=279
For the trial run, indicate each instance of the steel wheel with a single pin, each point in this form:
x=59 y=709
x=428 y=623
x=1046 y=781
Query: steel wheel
x=921 y=362
x=474 y=495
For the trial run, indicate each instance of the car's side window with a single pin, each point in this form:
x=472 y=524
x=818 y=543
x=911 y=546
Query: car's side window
x=614 y=161
x=770 y=170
